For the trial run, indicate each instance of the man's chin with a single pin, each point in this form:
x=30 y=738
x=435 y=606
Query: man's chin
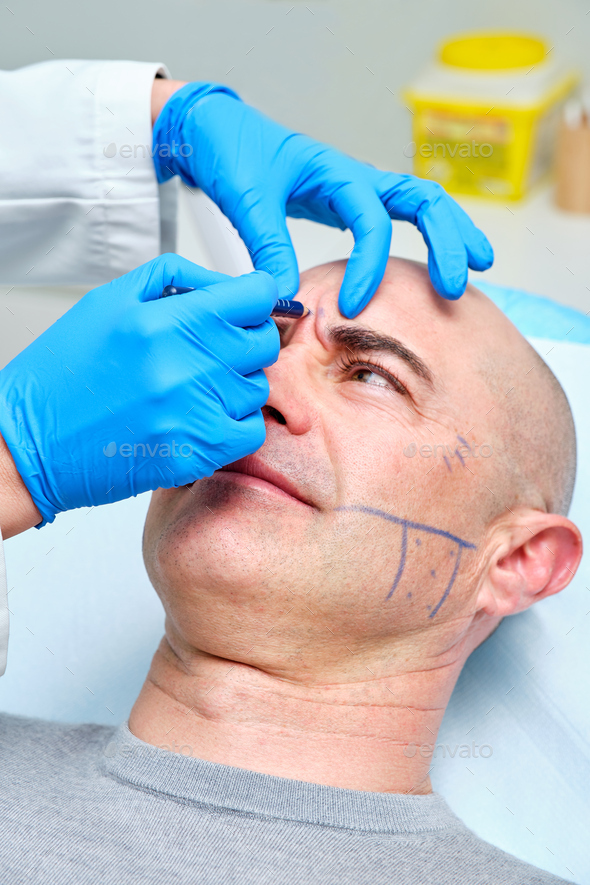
x=223 y=536
x=228 y=506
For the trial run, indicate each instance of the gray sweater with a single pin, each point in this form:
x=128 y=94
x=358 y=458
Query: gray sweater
x=91 y=804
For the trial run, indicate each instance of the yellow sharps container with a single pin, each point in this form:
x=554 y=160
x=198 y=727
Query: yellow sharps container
x=485 y=113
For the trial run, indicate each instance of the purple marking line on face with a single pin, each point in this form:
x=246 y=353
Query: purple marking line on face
x=464 y=441
x=448 y=463
x=421 y=527
x=449 y=585
x=459 y=456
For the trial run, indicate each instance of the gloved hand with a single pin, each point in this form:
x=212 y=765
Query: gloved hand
x=258 y=172
x=127 y=393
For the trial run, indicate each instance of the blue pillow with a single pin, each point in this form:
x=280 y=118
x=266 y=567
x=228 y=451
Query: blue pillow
x=539 y=317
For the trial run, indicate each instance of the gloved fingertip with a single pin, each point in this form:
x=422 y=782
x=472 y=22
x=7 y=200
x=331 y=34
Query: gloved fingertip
x=349 y=302
x=265 y=278
x=358 y=287
x=484 y=259
x=348 y=308
x=479 y=250
x=488 y=250
x=450 y=284
x=452 y=289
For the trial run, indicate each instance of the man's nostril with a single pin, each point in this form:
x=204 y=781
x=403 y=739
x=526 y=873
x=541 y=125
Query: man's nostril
x=274 y=413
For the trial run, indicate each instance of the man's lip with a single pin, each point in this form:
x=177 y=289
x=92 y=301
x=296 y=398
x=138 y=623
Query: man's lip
x=252 y=465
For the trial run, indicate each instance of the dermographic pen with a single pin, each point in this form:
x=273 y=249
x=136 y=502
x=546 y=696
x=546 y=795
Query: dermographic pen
x=283 y=308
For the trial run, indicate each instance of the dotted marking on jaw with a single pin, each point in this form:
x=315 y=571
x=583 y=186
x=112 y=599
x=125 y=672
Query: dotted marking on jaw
x=408 y=525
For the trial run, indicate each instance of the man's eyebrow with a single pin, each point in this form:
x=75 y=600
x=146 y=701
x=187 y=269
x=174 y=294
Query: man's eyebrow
x=360 y=340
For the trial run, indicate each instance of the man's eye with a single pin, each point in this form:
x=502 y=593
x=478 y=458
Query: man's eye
x=369 y=377
x=374 y=375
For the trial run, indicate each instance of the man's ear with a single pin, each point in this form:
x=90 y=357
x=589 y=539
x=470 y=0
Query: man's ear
x=532 y=555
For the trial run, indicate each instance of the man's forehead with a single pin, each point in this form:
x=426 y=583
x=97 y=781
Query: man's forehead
x=405 y=283
x=405 y=302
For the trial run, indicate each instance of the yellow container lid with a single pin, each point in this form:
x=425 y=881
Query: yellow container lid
x=493 y=51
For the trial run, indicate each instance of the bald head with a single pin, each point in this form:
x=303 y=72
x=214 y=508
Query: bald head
x=533 y=429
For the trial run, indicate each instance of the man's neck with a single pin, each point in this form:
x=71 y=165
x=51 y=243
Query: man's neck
x=376 y=734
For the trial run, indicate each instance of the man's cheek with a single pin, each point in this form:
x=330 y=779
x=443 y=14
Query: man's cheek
x=386 y=563
x=367 y=464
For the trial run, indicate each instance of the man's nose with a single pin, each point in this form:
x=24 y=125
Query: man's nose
x=291 y=401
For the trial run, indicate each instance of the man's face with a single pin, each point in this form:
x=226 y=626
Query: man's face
x=344 y=529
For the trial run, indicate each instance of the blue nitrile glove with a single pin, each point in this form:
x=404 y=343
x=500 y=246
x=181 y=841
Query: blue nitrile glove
x=258 y=172
x=127 y=393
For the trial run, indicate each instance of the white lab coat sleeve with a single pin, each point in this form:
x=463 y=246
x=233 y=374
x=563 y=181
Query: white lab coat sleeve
x=3 y=609
x=79 y=198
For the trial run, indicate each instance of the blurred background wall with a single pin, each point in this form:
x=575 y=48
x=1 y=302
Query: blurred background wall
x=325 y=67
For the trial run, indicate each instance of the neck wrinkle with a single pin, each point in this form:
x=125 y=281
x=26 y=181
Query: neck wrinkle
x=375 y=736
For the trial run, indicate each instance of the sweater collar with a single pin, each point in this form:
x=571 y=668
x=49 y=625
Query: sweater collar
x=223 y=787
